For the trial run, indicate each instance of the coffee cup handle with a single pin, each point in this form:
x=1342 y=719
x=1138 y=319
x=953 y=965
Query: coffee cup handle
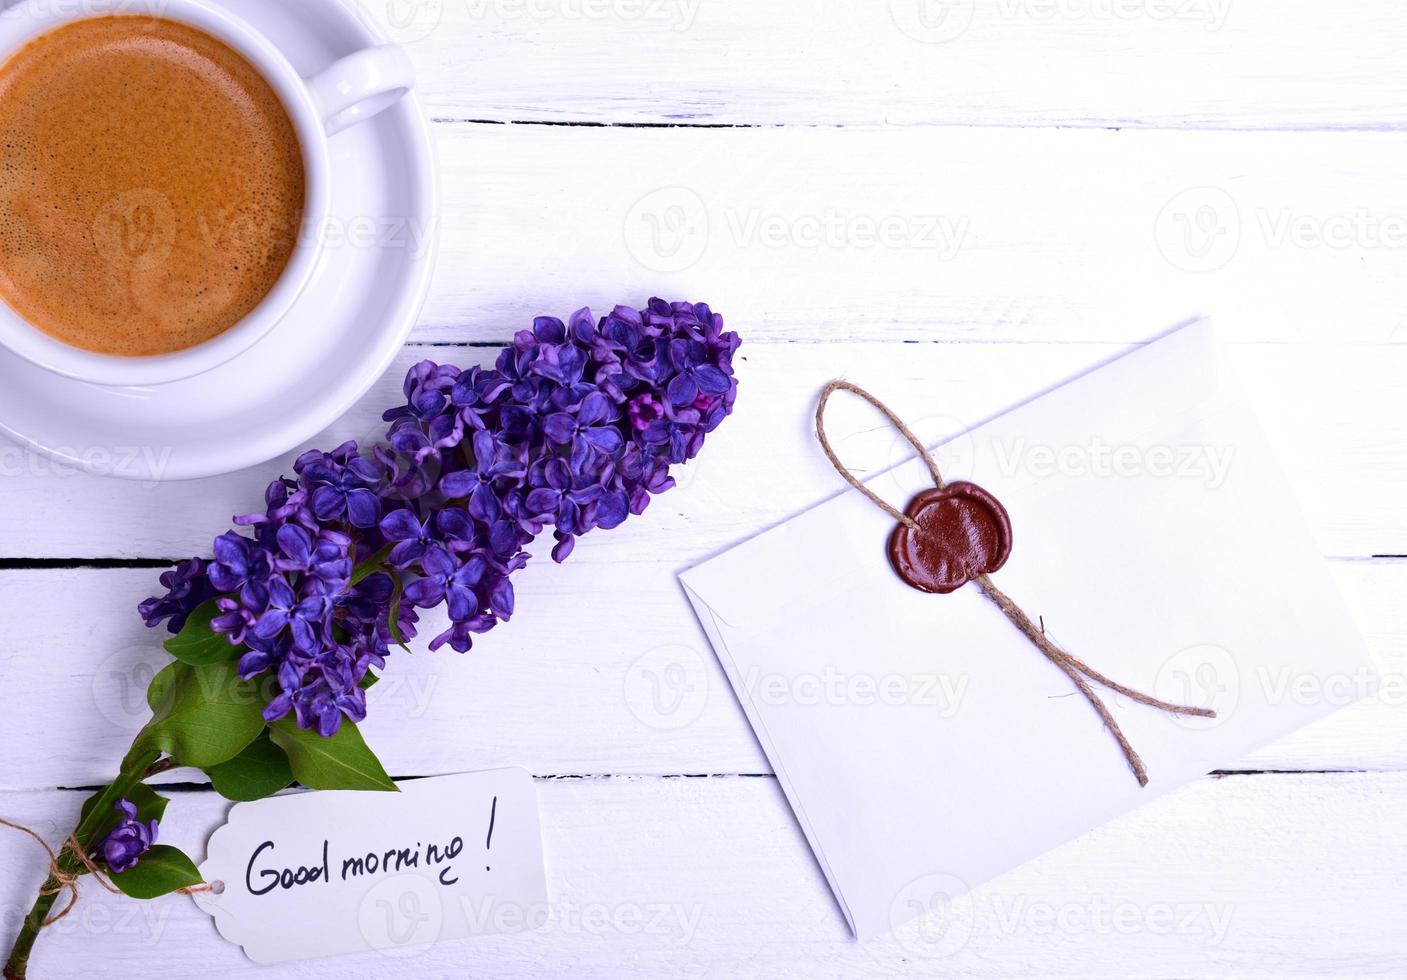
x=357 y=87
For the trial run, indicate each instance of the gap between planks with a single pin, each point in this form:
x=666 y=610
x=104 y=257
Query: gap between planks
x=185 y=787
x=1111 y=127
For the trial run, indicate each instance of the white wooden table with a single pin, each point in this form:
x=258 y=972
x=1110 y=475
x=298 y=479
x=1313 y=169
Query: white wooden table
x=958 y=201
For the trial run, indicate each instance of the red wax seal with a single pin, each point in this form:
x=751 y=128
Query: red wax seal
x=963 y=531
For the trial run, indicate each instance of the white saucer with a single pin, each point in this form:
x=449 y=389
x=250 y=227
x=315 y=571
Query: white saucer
x=340 y=337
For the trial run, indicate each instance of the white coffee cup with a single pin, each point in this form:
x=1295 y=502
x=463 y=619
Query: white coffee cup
x=348 y=92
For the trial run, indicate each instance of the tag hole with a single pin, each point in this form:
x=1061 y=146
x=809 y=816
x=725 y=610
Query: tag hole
x=217 y=888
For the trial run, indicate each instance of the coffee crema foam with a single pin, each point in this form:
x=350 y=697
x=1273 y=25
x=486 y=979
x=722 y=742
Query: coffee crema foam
x=151 y=185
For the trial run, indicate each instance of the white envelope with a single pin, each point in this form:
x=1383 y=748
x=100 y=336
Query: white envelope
x=921 y=737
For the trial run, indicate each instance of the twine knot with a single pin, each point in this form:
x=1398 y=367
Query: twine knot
x=64 y=881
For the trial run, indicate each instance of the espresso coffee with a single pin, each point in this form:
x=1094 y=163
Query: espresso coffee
x=151 y=185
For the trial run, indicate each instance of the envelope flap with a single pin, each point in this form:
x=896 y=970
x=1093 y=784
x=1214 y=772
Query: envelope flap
x=818 y=547
x=822 y=546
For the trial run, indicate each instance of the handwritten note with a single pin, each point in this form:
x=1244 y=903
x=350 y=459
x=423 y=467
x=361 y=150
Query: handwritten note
x=318 y=874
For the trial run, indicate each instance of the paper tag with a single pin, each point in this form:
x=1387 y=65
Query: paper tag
x=318 y=874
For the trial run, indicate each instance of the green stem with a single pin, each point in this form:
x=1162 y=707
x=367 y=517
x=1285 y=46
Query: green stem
x=134 y=769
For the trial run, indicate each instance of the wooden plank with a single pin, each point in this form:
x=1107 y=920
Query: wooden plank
x=633 y=689
x=1333 y=413
x=928 y=233
x=655 y=877
x=1165 y=63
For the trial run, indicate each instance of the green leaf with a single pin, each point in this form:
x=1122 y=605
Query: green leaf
x=160 y=871
x=150 y=806
x=393 y=615
x=340 y=762
x=371 y=565
x=160 y=689
x=197 y=643
x=368 y=681
x=202 y=716
x=260 y=770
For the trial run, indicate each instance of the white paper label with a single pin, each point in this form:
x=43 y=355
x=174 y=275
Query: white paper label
x=318 y=874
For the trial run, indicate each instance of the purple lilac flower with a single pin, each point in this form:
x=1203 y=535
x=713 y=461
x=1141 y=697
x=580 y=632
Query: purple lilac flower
x=574 y=427
x=238 y=562
x=413 y=536
x=492 y=464
x=645 y=409
x=343 y=486
x=187 y=586
x=128 y=841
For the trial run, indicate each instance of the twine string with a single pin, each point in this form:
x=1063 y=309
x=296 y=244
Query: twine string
x=1038 y=636
x=63 y=881
x=66 y=882
x=1079 y=672
x=895 y=421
